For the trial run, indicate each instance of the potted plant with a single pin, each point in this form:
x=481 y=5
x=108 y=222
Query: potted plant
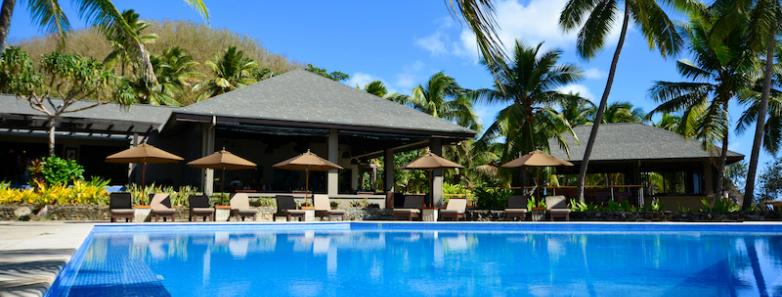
x=306 y=205
x=537 y=209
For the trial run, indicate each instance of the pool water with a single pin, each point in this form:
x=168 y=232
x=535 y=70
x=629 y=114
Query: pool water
x=424 y=260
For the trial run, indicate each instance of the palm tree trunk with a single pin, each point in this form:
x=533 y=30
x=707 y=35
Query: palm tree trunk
x=601 y=108
x=6 y=11
x=52 y=126
x=749 y=190
x=723 y=161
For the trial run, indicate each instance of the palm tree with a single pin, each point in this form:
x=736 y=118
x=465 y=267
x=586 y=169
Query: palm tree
x=378 y=88
x=658 y=29
x=668 y=121
x=762 y=19
x=623 y=112
x=123 y=47
x=442 y=97
x=528 y=86
x=176 y=71
x=50 y=16
x=577 y=110
x=231 y=70
x=717 y=74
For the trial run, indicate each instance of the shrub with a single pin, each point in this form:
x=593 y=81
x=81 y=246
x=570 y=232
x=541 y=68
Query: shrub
x=54 y=170
x=457 y=191
x=178 y=196
x=722 y=205
x=10 y=195
x=91 y=192
x=533 y=203
x=492 y=198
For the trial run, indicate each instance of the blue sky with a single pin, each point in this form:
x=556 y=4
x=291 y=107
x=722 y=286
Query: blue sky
x=403 y=42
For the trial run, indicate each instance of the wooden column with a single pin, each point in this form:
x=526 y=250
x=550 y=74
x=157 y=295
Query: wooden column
x=332 y=186
x=436 y=147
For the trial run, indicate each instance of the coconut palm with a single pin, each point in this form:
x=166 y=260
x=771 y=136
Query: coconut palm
x=231 y=70
x=442 y=97
x=772 y=130
x=50 y=16
x=668 y=121
x=578 y=111
x=762 y=19
x=176 y=71
x=623 y=112
x=717 y=74
x=378 y=88
x=528 y=86
x=123 y=46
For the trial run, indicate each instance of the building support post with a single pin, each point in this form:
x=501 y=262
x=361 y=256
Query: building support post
x=207 y=148
x=134 y=141
x=388 y=175
x=332 y=188
x=436 y=147
x=355 y=173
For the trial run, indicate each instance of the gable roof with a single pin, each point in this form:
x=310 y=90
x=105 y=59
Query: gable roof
x=304 y=97
x=633 y=142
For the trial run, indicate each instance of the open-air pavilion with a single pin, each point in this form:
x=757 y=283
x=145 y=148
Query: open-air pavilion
x=640 y=162
x=265 y=123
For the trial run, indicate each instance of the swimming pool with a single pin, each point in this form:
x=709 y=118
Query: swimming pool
x=420 y=259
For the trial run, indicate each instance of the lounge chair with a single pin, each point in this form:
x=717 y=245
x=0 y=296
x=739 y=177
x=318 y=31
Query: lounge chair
x=323 y=208
x=121 y=206
x=286 y=206
x=517 y=208
x=454 y=210
x=240 y=206
x=411 y=208
x=199 y=207
x=557 y=207
x=160 y=203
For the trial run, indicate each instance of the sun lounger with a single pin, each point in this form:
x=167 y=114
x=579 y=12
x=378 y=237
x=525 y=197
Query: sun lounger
x=557 y=207
x=286 y=206
x=411 y=208
x=199 y=207
x=240 y=206
x=160 y=203
x=121 y=206
x=517 y=208
x=454 y=210
x=323 y=208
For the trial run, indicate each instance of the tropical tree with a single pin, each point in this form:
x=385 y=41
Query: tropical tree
x=623 y=112
x=717 y=74
x=668 y=121
x=528 y=87
x=378 y=88
x=333 y=75
x=177 y=73
x=231 y=70
x=123 y=46
x=50 y=16
x=578 y=111
x=442 y=97
x=762 y=19
x=595 y=18
x=79 y=83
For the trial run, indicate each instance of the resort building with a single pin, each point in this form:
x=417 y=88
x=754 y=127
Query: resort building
x=266 y=123
x=638 y=162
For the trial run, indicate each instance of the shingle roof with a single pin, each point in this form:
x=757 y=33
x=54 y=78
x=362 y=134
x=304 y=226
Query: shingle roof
x=139 y=113
x=632 y=142
x=301 y=96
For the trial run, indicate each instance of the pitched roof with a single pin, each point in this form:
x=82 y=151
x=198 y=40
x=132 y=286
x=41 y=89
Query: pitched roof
x=305 y=97
x=142 y=114
x=633 y=142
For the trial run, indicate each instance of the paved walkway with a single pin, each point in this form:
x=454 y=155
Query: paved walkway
x=31 y=254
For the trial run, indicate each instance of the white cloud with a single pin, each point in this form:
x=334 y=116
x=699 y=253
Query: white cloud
x=435 y=43
x=409 y=75
x=361 y=79
x=535 y=22
x=577 y=89
x=594 y=73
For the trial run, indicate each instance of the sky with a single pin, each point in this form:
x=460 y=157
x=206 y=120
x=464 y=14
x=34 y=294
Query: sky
x=404 y=42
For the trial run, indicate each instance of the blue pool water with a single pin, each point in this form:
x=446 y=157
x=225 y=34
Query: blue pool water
x=371 y=259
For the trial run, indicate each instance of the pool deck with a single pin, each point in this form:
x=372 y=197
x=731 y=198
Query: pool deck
x=32 y=253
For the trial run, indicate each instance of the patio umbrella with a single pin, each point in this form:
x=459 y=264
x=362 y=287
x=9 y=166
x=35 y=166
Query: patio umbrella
x=431 y=161
x=536 y=158
x=143 y=154
x=223 y=160
x=307 y=162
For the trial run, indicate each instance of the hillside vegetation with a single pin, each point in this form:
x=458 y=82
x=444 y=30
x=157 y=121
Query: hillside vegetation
x=200 y=41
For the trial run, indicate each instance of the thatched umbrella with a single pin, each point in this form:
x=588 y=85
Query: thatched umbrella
x=536 y=158
x=431 y=161
x=307 y=162
x=143 y=154
x=223 y=160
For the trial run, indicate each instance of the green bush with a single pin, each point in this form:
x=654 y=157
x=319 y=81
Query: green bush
x=54 y=170
x=492 y=198
x=722 y=205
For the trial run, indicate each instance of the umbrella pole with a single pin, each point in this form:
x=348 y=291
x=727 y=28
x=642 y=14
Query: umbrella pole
x=306 y=184
x=222 y=182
